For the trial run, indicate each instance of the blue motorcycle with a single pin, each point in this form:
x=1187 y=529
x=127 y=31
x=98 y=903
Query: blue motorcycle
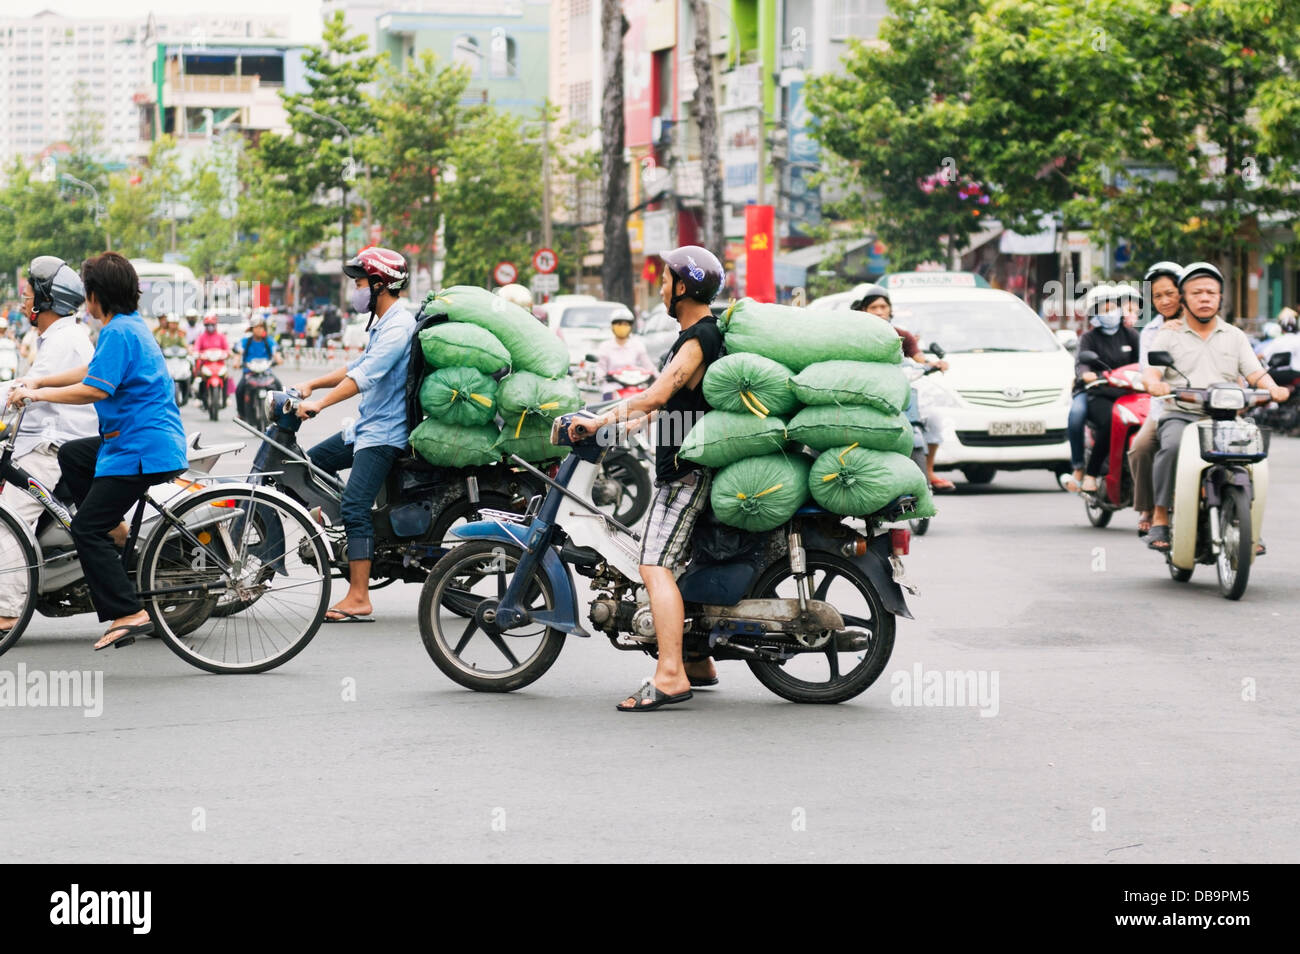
x=811 y=608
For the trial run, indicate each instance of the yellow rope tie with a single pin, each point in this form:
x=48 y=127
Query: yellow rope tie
x=744 y=399
x=520 y=426
x=845 y=451
x=830 y=476
x=754 y=397
x=740 y=496
x=482 y=399
x=548 y=406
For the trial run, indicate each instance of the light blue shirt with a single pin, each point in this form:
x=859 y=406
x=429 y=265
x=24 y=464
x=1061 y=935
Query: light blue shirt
x=380 y=375
x=1146 y=336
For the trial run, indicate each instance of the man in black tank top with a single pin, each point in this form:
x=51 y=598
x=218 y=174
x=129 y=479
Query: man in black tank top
x=692 y=278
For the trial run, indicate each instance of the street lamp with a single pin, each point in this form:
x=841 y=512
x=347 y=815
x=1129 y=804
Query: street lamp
x=346 y=175
x=99 y=208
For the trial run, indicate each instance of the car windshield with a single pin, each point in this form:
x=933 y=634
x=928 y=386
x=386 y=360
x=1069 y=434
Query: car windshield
x=975 y=326
x=590 y=316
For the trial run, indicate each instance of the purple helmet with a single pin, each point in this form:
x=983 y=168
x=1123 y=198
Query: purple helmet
x=698 y=269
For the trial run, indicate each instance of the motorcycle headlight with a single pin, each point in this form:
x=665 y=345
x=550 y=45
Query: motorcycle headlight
x=1227 y=399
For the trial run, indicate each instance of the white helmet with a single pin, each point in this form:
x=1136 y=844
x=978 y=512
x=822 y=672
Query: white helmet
x=1097 y=297
x=517 y=294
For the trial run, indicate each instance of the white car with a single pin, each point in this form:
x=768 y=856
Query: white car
x=1005 y=397
x=584 y=325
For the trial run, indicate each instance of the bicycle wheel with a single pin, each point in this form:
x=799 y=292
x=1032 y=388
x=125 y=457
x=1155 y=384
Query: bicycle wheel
x=251 y=540
x=18 y=578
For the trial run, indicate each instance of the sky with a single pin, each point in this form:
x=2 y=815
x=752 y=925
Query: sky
x=304 y=15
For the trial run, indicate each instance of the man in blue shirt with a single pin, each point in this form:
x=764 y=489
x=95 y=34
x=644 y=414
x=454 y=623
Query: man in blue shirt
x=380 y=435
x=141 y=440
x=258 y=344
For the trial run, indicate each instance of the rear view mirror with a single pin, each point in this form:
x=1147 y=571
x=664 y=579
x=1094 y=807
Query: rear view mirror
x=592 y=358
x=1160 y=359
x=1280 y=360
x=1089 y=357
x=937 y=350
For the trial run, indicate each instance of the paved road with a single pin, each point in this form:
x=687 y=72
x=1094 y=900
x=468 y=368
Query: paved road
x=1121 y=732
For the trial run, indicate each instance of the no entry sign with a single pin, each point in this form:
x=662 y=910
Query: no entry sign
x=505 y=273
x=544 y=260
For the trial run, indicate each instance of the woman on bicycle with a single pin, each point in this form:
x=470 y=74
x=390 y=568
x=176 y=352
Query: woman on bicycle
x=141 y=440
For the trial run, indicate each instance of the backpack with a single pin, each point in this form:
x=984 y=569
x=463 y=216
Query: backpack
x=417 y=369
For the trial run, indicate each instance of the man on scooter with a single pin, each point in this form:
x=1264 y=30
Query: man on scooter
x=51 y=302
x=258 y=344
x=380 y=434
x=691 y=279
x=1207 y=350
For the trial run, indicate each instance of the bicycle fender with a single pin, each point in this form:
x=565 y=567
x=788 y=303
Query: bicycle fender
x=875 y=564
x=565 y=615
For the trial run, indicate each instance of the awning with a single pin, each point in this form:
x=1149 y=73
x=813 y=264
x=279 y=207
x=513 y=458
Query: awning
x=792 y=267
x=1040 y=243
x=985 y=235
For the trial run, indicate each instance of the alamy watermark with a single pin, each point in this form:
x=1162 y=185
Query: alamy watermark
x=54 y=689
x=951 y=688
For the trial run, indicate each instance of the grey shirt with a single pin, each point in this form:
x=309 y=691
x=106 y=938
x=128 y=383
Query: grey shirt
x=1224 y=357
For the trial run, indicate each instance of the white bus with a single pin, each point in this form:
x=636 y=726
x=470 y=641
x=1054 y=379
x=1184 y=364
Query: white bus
x=167 y=289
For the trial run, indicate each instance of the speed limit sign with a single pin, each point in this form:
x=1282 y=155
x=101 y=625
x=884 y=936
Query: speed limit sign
x=544 y=261
x=505 y=273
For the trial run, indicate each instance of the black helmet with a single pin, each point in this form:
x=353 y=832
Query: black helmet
x=870 y=294
x=698 y=269
x=1170 y=269
x=55 y=286
x=1200 y=270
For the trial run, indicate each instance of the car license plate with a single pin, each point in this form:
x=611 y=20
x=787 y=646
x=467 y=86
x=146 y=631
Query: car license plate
x=1016 y=428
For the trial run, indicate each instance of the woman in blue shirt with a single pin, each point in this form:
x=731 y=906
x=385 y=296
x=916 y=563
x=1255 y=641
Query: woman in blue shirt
x=141 y=440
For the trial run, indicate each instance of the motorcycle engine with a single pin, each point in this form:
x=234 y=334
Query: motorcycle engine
x=623 y=616
x=643 y=625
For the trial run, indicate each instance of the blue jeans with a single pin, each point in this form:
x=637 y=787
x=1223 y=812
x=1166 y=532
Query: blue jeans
x=370 y=467
x=1078 y=417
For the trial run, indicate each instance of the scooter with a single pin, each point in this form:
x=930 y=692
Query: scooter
x=8 y=359
x=624 y=487
x=1220 y=484
x=178 y=366
x=414 y=513
x=811 y=608
x=212 y=374
x=258 y=382
x=1127 y=417
x=1283 y=418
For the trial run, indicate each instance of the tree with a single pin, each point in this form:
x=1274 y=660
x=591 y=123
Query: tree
x=145 y=203
x=616 y=264
x=704 y=109
x=418 y=116
x=41 y=219
x=276 y=221
x=210 y=235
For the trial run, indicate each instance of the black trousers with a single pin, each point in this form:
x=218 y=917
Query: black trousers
x=1100 y=409
x=102 y=503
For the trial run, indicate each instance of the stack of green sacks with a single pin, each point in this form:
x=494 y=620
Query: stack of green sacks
x=484 y=334
x=829 y=380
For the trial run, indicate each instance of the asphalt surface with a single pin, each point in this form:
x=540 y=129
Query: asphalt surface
x=1135 y=720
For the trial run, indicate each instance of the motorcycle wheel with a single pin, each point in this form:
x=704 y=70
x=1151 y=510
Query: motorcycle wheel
x=1237 y=551
x=1098 y=515
x=458 y=514
x=820 y=676
x=474 y=654
x=632 y=476
x=1178 y=574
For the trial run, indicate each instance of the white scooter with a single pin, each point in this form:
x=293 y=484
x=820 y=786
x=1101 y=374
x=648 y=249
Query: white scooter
x=1220 y=484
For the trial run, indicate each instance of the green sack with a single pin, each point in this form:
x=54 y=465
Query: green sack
x=855 y=481
x=835 y=425
x=721 y=437
x=446 y=445
x=525 y=397
x=760 y=493
x=531 y=344
x=533 y=443
x=798 y=337
x=882 y=386
x=749 y=383
x=460 y=396
x=452 y=345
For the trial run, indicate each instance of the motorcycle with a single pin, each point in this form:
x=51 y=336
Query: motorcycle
x=178 y=366
x=211 y=376
x=8 y=359
x=414 y=513
x=624 y=487
x=1283 y=418
x=1220 y=484
x=791 y=604
x=1127 y=417
x=258 y=382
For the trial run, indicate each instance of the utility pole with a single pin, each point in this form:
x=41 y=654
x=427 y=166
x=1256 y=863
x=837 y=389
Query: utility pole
x=546 y=177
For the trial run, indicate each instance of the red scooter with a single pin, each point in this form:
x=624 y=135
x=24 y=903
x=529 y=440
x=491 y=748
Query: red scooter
x=1115 y=492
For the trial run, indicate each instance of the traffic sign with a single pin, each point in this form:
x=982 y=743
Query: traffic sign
x=545 y=284
x=505 y=273
x=544 y=260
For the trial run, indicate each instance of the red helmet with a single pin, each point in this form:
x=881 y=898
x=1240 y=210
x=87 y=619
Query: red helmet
x=381 y=265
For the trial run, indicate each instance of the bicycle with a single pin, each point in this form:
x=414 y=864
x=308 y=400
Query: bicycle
x=201 y=544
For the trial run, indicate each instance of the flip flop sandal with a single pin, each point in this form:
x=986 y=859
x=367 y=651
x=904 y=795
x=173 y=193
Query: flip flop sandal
x=648 y=698
x=942 y=486
x=129 y=633
x=1068 y=483
x=1159 y=535
x=702 y=682
x=346 y=617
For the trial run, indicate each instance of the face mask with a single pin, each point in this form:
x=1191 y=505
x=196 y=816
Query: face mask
x=622 y=331
x=1110 y=321
x=360 y=299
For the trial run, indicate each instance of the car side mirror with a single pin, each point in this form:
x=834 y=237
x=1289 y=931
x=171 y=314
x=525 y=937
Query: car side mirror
x=1089 y=357
x=1160 y=359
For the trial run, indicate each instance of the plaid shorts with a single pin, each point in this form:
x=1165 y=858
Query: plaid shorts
x=673 y=512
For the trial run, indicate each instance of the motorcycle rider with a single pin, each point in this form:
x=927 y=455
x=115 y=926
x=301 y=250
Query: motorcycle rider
x=1161 y=287
x=258 y=344
x=193 y=327
x=211 y=339
x=169 y=333
x=55 y=295
x=875 y=301
x=1206 y=350
x=1115 y=344
x=692 y=277
x=517 y=294
x=1288 y=342
x=624 y=350
x=380 y=434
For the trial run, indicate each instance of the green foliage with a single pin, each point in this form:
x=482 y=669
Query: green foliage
x=43 y=218
x=145 y=204
x=210 y=236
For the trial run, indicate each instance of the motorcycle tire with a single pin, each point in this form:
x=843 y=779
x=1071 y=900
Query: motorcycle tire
x=1178 y=574
x=840 y=687
x=445 y=644
x=1238 y=548
x=214 y=404
x=462 y=511
x=919 y=527
x=1098 y=515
